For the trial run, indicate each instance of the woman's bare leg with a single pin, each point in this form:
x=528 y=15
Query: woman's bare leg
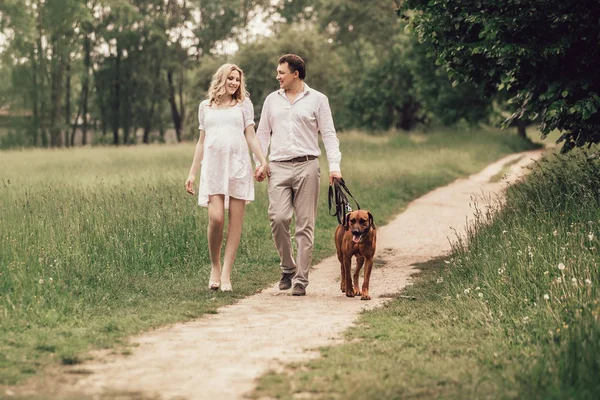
x=216 y=221
x=234 y=232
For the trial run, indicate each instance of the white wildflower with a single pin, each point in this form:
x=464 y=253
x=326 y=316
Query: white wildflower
x=559 y=280
x=477 y=288
x=467 y=290
x=480 y=294
x=501 y=271
x=588 y=282
x=546 y=297
x=590 y=236
x=561 y=266
x=440 y=280
x=41 y=281
x=555 y=233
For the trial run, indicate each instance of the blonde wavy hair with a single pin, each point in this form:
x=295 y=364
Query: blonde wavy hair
x=219 y=79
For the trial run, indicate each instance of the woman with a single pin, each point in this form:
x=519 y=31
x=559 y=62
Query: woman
x=226 y=121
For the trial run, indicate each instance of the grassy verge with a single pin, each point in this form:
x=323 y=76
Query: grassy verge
x=513 y=313
x=98 y=244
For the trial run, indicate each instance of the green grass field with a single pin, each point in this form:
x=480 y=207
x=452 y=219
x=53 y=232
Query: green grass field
x=100 y=243
x=513 y=313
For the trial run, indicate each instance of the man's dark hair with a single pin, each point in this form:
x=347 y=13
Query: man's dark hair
x=295 y=63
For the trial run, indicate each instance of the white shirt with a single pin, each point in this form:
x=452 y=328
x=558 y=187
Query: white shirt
x=296 y=127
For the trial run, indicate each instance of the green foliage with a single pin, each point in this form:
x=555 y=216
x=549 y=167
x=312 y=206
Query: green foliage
x=544 y=53
x=383 y=96
x=126 y=61
x=298 y=10
x=403 y=88
x=392 y=81
x=325 y=69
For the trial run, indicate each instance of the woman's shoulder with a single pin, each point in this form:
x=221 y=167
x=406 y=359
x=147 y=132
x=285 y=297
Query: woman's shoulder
x=246 y=102
x=204 y=103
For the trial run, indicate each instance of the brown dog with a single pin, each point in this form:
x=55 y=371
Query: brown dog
x=356 y=238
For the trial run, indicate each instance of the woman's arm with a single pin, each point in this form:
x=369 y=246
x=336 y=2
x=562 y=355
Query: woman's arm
x=261 y=171
x=198 y=156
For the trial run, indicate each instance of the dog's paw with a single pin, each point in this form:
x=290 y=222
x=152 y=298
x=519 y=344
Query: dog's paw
x=365 y=296
x=350 y=293
x=357 y=292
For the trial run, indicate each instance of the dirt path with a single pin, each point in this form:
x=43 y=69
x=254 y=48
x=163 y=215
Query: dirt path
x=220 y=356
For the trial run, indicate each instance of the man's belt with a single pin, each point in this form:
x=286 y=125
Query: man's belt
x=298 y=159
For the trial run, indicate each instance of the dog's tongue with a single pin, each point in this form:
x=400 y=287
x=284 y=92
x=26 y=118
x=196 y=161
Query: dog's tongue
x=355 y=239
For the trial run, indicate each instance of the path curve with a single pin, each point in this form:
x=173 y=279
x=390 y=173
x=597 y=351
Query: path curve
x=221 y=355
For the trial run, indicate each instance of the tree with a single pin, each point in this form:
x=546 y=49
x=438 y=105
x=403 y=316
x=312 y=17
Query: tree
x=545 y=54
x=325 y=70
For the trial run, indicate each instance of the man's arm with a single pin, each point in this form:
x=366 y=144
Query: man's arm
x=263 y=133
x=329 y=136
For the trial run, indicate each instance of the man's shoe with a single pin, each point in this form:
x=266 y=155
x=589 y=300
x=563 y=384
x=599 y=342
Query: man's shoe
x=286 y=281
x=298 y=290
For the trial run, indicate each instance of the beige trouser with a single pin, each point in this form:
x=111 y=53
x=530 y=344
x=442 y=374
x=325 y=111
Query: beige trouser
x=294 y=188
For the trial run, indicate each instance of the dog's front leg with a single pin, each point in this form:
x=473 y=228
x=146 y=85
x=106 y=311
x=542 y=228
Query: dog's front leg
x=367 y=277
x=348 y=276
x=343 y=277
x=360 y=260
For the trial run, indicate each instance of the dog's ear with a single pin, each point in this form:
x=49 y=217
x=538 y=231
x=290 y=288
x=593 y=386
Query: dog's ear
x=371 y=222
x=347 y=221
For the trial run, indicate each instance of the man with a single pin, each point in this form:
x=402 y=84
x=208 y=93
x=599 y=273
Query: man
x=290 y=122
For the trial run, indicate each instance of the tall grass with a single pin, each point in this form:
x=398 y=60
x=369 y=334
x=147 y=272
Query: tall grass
x=534 y=271
x=513 y=313
x=100 y=243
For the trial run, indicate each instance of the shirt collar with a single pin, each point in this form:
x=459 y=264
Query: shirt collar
x=304 y=92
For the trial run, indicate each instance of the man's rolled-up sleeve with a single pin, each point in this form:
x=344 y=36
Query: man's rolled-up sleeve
x=263 y=132
x=329 y=135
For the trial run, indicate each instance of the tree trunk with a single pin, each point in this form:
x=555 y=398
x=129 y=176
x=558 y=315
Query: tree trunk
x=57 y=93
x=68 y=100
x=177 y=117
x=35 y=129
x=104 y=117
x=42 y=75
x=148 y=122
x=87 y=46
x=116 y=106
x=181 y=105
x=127 y=106
x=74 y=127
x=408 y=115
x=522 y=129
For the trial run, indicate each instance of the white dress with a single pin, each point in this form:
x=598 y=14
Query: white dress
x=226 y=167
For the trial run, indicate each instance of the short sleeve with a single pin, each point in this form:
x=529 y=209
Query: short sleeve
x=248 y=112
x=201 y=114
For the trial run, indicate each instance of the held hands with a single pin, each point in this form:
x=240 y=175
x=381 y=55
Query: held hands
x=189 y=184
x=261 y=172
x=334 y=174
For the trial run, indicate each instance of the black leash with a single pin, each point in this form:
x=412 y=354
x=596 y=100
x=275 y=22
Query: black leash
x=338 y=201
